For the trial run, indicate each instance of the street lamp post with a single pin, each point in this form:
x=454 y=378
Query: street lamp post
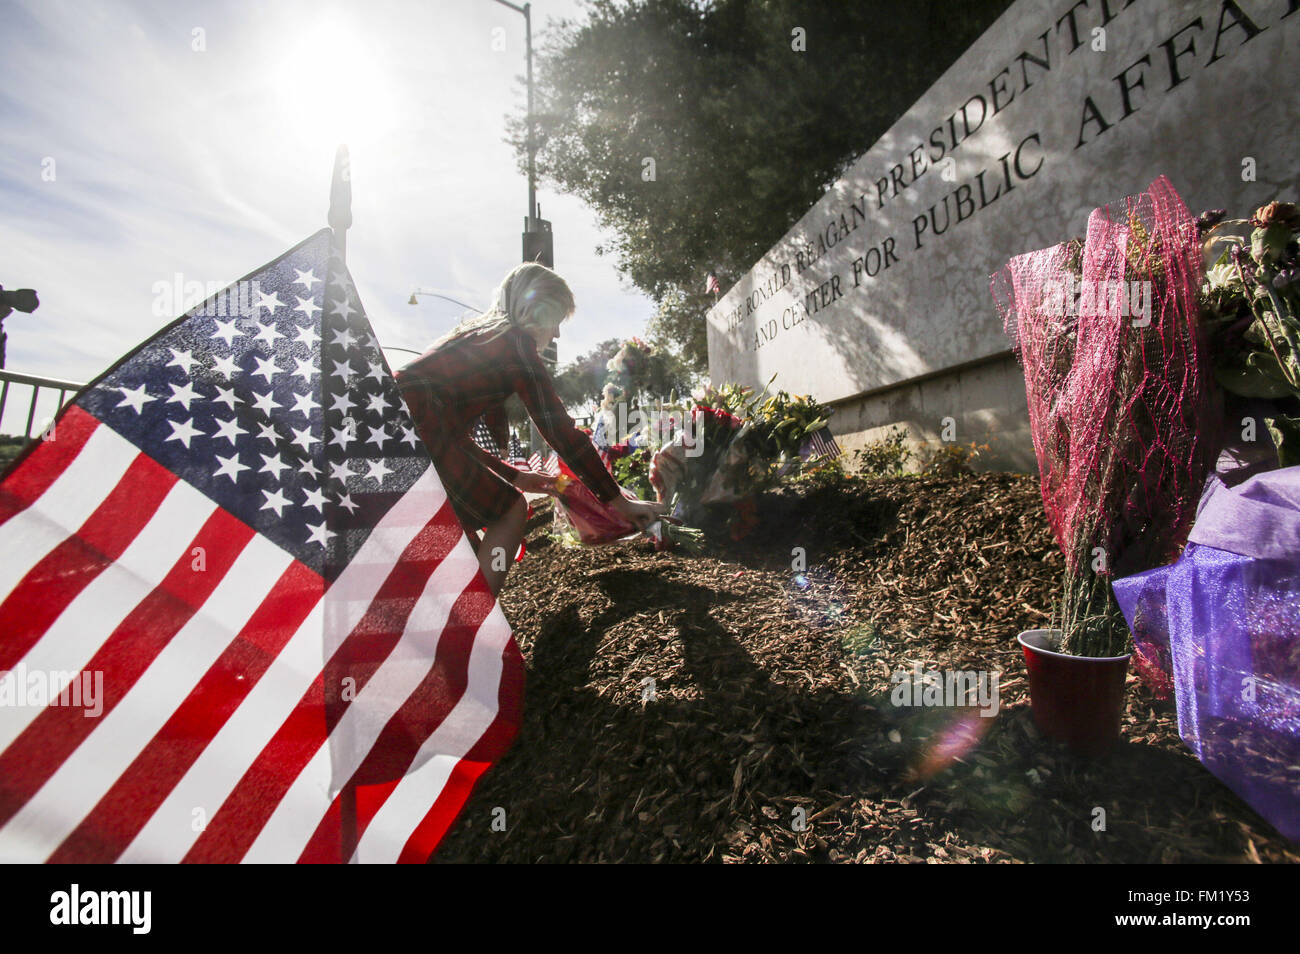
x=538 y=239
x=526 y=10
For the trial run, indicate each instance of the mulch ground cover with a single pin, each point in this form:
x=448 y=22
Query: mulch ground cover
x=727 y=708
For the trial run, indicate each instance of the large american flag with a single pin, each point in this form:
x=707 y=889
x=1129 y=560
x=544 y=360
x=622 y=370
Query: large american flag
x=238 y=530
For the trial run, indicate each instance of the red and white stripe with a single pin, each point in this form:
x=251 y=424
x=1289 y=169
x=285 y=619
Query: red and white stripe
x=550 y=467
x=822 y=443
x=215 y=742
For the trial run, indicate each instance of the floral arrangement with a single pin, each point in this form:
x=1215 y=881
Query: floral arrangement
x=782 y=426
x=582 y=516
x=1119 y=399
x=709 y=462
x=736 y=445
x=1250 y=302
x=733 y=398
x=631 y=468
x=630 y=363
x=704 y=465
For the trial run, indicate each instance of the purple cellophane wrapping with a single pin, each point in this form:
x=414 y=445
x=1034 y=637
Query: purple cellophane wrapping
x=1227 y=616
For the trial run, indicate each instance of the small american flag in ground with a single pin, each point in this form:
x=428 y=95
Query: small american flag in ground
x=516 y=450
x=482 y=436
x=821 y=443
x=237 y=534
x=550 y=467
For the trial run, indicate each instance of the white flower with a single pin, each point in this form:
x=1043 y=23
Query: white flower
x=1222 y=276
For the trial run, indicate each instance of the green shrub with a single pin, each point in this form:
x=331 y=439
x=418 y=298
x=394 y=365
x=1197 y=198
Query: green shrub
x=952 y=460
x=885 y=457
x=818 y=472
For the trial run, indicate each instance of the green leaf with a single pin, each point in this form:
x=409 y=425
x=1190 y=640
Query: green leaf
x=1269 y=244
x=1259 y=377
x=1256 y=333
x=1286 y=435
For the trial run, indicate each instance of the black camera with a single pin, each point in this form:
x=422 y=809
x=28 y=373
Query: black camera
x=22 y=299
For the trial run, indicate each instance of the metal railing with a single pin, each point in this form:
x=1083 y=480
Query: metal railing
x=35 y=382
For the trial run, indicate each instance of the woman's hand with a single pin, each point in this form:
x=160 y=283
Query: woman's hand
x=529 y=482
x=640 y=512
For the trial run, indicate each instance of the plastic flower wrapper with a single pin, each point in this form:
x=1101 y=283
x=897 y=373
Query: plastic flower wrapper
x=730 y=477
x=1120 y=405
x=710 y=464
x=580 y=513
x=595 y=523
x=1227 y=615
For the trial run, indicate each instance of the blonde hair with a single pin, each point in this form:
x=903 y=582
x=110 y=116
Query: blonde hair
x=531 y=295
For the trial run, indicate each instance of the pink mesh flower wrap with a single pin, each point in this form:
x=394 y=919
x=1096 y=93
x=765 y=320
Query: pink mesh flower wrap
x=1117 y=379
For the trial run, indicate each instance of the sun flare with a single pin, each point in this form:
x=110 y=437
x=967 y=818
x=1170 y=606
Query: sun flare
x=332 y=88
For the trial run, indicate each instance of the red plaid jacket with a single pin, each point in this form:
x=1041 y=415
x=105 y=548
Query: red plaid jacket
x=449 y=386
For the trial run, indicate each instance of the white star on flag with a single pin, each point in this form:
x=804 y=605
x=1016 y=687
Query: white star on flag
x=183 y=395
x=135 y=398
x=319 y=534
x=230 y=467
x=275 y=500
x=227 y=332
x=182 y=431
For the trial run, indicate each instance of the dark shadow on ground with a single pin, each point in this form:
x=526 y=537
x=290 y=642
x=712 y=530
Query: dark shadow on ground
x=656 y=779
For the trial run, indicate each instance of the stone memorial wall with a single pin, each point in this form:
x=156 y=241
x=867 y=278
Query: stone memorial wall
x=877 y=300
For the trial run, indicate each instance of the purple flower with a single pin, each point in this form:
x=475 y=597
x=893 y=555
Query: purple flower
x=1210 y=218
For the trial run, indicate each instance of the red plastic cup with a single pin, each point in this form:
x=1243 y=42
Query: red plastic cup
x=1077 y=700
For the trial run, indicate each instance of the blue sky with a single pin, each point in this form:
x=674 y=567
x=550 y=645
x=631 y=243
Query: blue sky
x=169 y=159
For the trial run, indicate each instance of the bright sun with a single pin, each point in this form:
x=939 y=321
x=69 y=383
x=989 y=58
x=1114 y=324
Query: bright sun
x=331 y=89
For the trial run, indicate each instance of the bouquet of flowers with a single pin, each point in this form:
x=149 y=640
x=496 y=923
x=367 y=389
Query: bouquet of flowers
x=731 y=444
x=734 y=398
x=702 y=465
x=594 y=523
x=1118 y=387
x=735 y=445
x=580 y=514
x=784 y=427
x=1250 y=302
x=630 y=363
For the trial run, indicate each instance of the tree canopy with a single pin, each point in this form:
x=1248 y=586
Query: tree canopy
x=699 y=133
x=579 y=383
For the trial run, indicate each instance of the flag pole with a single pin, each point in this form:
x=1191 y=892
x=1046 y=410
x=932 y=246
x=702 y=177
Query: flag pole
x=340 y=220
x=340 y=214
